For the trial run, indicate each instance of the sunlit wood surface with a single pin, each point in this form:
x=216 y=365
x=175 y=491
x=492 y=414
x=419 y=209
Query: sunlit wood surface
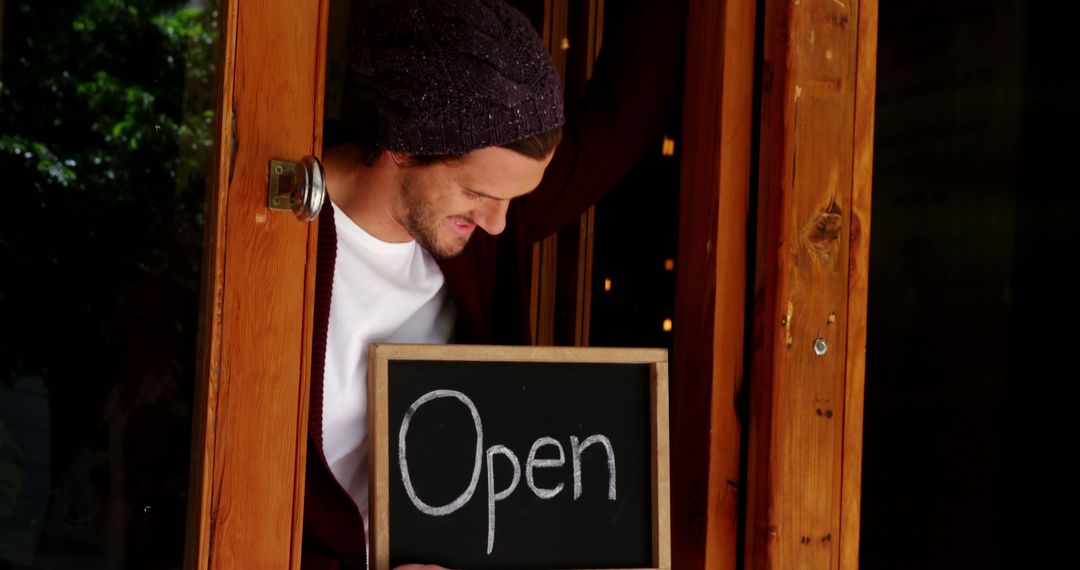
x=810 y=291
x=250 y=432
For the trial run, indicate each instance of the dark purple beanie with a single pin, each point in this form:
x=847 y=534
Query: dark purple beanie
x=452 y=76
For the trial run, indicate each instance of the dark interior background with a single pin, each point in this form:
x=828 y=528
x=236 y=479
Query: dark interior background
x=970 y=316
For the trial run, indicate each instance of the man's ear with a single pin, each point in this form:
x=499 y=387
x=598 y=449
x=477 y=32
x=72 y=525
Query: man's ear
x=399 y=158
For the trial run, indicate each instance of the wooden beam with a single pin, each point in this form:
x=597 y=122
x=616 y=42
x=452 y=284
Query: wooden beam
x=250 y=429
x=710 y=289
x=542 y=290
x=561 y=287
x=858 y=284
x=574 y=269
x=810 y=289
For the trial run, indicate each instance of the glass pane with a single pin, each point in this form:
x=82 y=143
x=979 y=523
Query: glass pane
x=106 y=123
x=633 y=275
x=633 y=281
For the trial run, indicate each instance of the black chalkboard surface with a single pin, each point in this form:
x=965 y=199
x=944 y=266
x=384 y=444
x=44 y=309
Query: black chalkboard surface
x=518 y=457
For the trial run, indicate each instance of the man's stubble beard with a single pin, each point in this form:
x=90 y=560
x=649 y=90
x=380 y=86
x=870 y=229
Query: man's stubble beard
x=422 y=222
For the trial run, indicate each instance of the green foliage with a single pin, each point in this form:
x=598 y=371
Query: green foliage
x=106 y=116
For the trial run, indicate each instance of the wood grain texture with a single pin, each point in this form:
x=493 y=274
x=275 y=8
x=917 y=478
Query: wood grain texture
x=379 y=458
x=574 y=266
x=304 y=388
x=248 y=489
x=661 y=455
x=561 y=278
x=858 y=284
x=545 y=253
x=196 y=551
x=805 y=417
x=710 y=283
x=586 y=247
x=542 y=295
x=466 y=352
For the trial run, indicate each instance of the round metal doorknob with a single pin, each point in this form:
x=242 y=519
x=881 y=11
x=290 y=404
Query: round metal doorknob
x=298 y=187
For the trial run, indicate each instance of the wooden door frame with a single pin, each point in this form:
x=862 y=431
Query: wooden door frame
x=809 y=330
x=249 y=432
x=707 y=367
x=250 y=428
x=804 y=446
x=560 y=293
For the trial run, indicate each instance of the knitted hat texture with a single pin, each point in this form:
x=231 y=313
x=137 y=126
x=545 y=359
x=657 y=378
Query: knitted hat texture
x=452 y=76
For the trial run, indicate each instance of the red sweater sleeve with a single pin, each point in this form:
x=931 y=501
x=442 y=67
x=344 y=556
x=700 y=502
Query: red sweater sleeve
x=633 y=90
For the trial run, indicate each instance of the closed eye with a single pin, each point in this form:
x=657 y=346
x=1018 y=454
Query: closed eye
x=474 y=195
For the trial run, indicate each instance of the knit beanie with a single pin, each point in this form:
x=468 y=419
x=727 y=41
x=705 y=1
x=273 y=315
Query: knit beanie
x=452 y=76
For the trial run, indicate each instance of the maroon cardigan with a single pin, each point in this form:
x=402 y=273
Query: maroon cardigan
x=606 y=134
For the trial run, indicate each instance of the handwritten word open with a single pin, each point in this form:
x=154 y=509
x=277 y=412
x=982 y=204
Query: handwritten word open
x=577 y=447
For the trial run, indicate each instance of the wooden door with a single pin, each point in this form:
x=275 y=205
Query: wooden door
x=250 y=437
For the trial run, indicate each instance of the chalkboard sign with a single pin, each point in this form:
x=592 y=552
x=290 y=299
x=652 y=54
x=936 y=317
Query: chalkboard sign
x=518 y=457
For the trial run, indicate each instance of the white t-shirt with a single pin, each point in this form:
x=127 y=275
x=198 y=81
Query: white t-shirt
x=382 y=292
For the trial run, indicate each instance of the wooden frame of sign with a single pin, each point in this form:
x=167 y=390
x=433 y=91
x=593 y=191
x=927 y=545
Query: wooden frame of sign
x=379 y=414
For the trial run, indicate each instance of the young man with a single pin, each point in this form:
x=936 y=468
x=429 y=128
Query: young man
x=424 y=239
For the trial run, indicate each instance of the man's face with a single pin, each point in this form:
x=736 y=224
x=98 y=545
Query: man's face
x=441 y=204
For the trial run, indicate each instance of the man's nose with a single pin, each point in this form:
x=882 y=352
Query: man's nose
x=491 y=216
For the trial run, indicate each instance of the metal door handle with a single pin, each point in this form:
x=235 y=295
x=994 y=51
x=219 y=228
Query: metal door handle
x=297 y=187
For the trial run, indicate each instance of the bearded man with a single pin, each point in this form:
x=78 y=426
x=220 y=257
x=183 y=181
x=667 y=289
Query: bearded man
x=435 y=205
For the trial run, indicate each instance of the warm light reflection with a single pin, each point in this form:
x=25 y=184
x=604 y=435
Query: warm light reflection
x=669 y=264
x=607 y=284
x=667 y=325
x=669 y=147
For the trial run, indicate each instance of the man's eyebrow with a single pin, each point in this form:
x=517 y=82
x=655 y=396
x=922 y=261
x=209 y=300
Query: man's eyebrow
x=490 y=197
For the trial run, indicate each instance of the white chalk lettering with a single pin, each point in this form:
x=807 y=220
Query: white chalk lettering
x=534 y=463
x=404 y=464
x=494 y=496
x=575 y=452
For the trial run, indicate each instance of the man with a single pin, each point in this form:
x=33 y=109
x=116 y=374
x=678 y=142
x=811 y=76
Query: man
x=469 y=116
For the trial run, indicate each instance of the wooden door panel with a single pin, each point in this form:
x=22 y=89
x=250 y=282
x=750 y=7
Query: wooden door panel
x=711 y=273
x=810 y=292
x=249 y=481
